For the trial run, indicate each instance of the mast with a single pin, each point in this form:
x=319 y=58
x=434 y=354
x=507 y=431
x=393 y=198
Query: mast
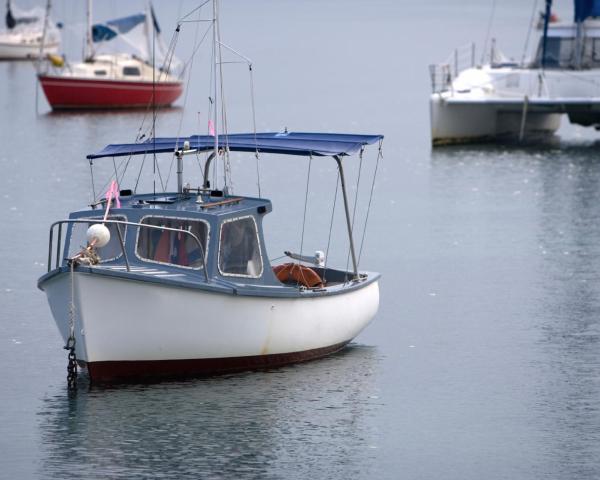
x=215 y=100
x=44 y=31
x=89 y=54
x=545 y=37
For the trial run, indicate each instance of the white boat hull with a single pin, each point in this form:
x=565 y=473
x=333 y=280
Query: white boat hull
x=474 y=122
x=128 y=328
x=23 y=52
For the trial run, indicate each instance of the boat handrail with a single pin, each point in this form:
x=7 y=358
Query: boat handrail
x=60 y=224
x=442 y=74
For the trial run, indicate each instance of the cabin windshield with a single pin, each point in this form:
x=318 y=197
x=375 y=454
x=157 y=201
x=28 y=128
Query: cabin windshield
x=175 y=248
x=561 y=53
x=111 y=251
x=239 y=248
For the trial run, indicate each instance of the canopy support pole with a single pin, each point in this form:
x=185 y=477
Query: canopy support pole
x=179 y=156
x=347 y=210
x=545 y=36
x=207 y=170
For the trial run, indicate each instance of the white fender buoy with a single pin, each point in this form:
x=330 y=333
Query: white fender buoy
x=320 y=258
x=98 y=235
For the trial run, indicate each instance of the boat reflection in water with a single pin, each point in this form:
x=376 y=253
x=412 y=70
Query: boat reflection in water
x=267 y=424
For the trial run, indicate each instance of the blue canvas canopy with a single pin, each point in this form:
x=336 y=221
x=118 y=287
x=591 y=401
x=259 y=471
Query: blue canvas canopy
x=287 y=143
x=586 y=8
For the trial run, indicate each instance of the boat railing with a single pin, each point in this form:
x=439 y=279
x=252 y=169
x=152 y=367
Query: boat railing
x=54 y=251
x=442 y=74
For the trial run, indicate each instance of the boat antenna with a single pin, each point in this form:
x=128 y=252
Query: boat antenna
x=545 y=38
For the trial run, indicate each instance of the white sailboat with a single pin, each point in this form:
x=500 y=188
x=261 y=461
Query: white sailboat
x=126 y=65
x=503 y=99
x=25 y=33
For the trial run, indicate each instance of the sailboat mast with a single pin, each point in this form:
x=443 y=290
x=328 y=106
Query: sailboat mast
x=44 y=30
x=216 y=96
x=88 y=37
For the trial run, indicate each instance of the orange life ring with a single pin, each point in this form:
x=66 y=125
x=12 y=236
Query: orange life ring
x=298 y=273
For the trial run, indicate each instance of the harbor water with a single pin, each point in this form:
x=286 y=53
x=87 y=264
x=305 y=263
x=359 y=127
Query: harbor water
x=484 y=358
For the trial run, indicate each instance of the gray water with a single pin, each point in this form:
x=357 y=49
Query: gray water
x=483 y=360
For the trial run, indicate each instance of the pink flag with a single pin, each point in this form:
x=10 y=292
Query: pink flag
x=211 y=128
x=113 y=193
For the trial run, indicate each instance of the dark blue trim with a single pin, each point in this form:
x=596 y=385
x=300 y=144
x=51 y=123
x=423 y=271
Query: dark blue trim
x=196 y=282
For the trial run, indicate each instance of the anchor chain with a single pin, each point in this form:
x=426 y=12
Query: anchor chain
x=87 y=256
x=70 y=346
x=72 y=364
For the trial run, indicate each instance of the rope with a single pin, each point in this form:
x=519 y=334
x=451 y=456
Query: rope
x=192 y=11
x=115 y=167
x=305 y=205
x=362 y=241
x=72 y=306
x=139 y=174
x=187 y=89
x=254 y=126
x=526 y=46
x=337 y=184
x=226 y=158
x=355 y=202
x=487 y=35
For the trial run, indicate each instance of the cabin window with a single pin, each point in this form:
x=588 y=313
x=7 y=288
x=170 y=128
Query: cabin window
x=100 y=73
x=131 y=71
x=590 y=57
x=239 y=248
x=111 y=251
x=559 y=52
x=175 y=248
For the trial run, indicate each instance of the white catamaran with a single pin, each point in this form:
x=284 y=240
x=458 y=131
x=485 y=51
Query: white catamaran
x=503 y=99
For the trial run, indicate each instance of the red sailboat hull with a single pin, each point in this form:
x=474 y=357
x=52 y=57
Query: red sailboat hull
x=72 y=93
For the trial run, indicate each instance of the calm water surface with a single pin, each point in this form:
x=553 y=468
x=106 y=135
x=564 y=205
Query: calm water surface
x=484 y=358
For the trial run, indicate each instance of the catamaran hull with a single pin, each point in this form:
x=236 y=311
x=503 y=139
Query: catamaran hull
x=64 y=93
x=453 y=123
x=129 y=331
x=19 y=51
